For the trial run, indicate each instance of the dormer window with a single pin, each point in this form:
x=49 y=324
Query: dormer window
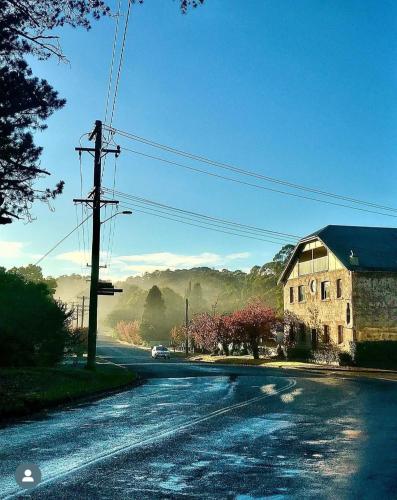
x=313 y=261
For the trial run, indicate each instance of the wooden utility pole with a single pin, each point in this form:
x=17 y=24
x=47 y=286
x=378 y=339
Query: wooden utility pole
x=82 y=312
x=96 y=238
x=95 y=202
x=77 y=315
x=187 y=327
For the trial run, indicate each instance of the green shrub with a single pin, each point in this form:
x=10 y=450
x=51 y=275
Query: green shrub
x=33 y=326
x=298 y=354
x=325 y=353
x=77 y=342
x=345 y=359
x=377 y=354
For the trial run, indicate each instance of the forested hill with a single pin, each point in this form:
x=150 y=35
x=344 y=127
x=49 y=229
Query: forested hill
x=208 y=290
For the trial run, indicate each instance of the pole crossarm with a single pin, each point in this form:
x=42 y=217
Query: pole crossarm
x=91 y=200
x=85 y=149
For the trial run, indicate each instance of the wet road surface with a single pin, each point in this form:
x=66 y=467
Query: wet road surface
x=200 y=431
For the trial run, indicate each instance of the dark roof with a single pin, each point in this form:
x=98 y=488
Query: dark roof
x=373 y=248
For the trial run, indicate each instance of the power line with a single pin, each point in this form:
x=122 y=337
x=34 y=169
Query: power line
x=112 y=228
x=258 y=186
x=61 y=241
x=85 y=237
x=249 y=173
x=205 y=227
x=224 y=222
x=174 y=219
x=209 y=225
x=115 y=94
x=116 y=87
x=78 y=238
x=116 y=30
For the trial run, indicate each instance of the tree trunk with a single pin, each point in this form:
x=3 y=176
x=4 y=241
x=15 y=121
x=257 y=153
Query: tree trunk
x=255 y=349
x=225 y=348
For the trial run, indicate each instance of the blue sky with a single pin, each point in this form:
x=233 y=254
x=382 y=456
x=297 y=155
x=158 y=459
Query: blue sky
x=302 y=91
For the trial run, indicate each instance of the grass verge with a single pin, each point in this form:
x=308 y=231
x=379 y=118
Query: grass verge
x=298 y=365
x=25 y=390
x=229 y=360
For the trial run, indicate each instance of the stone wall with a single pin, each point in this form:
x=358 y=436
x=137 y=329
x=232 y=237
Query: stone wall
x=315 y=312
x=375 y=306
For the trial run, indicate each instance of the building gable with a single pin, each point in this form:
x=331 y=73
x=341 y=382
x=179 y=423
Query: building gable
x=355 y=248
x=310 y=257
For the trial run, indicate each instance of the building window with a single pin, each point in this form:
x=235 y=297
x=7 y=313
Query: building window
x=314 y=338
x=302 y=332
x=348 y=314
x=301 y=293
x=340 y=334
x=291 y=295
x=338 y=289
x=324 y=290
x=326 y=334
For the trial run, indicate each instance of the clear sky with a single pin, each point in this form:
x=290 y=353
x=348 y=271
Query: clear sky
x=303 y=91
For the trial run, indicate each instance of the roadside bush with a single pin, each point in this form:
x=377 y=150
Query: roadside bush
x=298 y=354
x=326 y=354
x=376 y=354
x=129 y=331
x=345 y=359
x=77 y=342
x=33 y=326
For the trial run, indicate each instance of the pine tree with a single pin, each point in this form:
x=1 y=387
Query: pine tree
x=196 y=301
x=153 y=326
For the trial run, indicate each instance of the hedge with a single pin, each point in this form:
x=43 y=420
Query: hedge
x=376 y=354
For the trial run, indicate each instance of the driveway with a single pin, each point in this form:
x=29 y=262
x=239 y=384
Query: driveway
x=204 y=431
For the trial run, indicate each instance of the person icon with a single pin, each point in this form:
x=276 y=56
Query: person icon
x=27 y=476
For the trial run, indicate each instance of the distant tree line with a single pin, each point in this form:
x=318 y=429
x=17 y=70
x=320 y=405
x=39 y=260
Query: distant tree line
x=156 y=301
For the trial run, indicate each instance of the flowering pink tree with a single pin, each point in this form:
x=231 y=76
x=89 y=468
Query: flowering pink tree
x=208 y=331
x=253 y=322
x=129 y=332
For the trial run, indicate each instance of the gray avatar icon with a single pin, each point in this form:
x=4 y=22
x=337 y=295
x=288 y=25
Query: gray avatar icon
x=28 y=475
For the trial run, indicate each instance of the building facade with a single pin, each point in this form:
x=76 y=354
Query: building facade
x=340 y=285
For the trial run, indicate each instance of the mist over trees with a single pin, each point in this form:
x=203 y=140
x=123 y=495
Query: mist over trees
x=153 y=325
x=152 y=306
x=157 y=299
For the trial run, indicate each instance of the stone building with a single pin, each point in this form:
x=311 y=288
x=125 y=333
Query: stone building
x=340 y=284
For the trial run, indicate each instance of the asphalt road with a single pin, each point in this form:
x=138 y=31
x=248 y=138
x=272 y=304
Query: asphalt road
x=200 y=431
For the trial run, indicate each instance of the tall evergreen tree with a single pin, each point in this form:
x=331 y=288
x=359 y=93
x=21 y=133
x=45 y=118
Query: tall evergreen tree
x=30 y=28
x=153 y=326
x=197 y=301
x=26 y=102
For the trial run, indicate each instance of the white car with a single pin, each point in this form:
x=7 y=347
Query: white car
x=159 y=351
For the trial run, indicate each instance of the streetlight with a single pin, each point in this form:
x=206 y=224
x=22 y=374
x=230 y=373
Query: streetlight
x=124 y=212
